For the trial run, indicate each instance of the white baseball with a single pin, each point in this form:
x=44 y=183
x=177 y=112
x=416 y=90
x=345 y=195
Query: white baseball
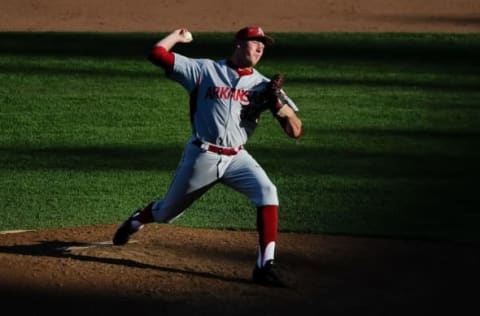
x=188 y=36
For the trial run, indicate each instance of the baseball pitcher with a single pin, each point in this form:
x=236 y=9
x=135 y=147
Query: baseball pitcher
x=227 y=98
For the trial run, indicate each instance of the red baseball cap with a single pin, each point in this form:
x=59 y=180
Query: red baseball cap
x=253 y=33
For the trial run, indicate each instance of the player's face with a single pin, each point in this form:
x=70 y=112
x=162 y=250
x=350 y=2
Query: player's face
x=253 y=51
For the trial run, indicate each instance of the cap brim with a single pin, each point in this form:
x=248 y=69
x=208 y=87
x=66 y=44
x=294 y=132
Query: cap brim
x=267 y=40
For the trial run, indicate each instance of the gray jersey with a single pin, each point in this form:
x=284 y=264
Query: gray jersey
x=218 y=97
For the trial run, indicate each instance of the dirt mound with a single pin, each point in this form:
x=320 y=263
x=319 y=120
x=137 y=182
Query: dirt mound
x=171 y=270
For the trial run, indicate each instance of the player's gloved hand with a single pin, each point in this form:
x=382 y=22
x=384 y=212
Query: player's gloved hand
x=272 y=98
x=276 y=97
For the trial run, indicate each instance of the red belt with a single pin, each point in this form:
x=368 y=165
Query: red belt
x=227 y=151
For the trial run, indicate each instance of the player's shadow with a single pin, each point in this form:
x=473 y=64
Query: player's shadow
x=62 y=249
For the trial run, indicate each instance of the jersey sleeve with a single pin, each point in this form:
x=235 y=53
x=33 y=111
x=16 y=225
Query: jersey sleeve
x=187 y=71
x=161 y=57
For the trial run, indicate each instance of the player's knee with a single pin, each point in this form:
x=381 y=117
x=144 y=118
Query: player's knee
x=270 y=189
x=269 y=194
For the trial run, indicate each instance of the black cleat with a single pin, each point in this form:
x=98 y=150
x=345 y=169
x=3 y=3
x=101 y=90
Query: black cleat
x=267 y=275
x=124 y=231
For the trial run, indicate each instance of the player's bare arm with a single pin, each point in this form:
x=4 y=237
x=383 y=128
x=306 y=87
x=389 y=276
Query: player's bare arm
x=292 y=125
x=178 y=36
x=160 y=54
x=282 y=107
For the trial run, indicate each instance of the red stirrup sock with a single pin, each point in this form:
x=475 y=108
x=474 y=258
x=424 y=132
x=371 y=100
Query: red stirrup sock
x=267 y=226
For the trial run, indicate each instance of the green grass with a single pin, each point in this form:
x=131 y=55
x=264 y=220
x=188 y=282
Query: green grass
x=90 y=130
